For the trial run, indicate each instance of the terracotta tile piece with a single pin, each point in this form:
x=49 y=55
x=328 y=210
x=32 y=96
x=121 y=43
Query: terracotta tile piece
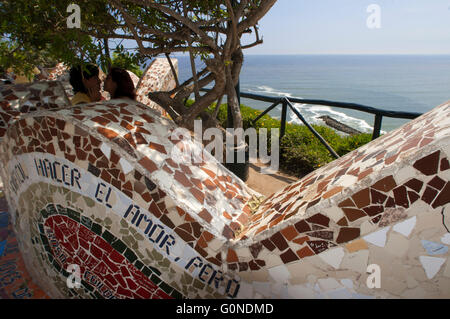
x=429 y=164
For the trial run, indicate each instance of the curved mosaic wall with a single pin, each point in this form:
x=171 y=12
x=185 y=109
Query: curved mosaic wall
x=103 y=186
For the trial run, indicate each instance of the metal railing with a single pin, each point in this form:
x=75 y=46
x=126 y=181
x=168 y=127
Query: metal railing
x=287 y=103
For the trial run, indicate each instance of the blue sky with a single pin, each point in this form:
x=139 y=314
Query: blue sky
x=340 y=27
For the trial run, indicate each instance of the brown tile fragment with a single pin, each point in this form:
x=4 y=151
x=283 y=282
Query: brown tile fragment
x=279 y=241
x=166 y=221
x=377 y=197
x=413 y=197
x=140 y=140
x=100 y=120
x=346 y=234
x=227 y=232
x=445 y=165
x=301 y=240
x=362 y=198
x=232 y=256
x=318 y=246
x=288 y=256
x=148 y=164
x=390 y=202
x=414 y=184
x=255 y=249
x=429 y=164
x=107 y=132
x=385 y=185
x=205 y=215
x=243 y=267
x=305 y=252
x=373 y=210
x=253 y=265
x=437 y=183
x=443 y=197
x=319 y=219
x=268 y=244
x=353 y=214
x=322 y=234
x=157 y=147
x=184 y=235
x=209 y=184
x=342 y=222
x=182 y=179
x=289 y=233
x=347 y=203
x=332 y=192
x=199 y=195
x=302 y=226
x=400 y=196
x=367 y=172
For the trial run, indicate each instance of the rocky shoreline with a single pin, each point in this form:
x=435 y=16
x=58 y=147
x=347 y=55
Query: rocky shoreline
x=338 y=125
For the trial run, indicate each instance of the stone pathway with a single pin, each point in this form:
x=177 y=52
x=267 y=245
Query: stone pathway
x=267 y=184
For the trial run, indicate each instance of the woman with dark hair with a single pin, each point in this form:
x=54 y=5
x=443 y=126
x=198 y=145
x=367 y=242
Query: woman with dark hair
x=86 y=84
x=119 y=84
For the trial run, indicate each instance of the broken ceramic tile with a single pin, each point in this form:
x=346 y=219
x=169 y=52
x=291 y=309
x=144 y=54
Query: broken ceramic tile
x=378 y=238
x=433 y=248
x=431 y=265
x=405 y=228
x=333 y=257
x=446 y=239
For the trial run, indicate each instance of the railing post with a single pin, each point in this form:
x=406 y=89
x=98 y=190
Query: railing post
x=377 y=126
x=283 y=118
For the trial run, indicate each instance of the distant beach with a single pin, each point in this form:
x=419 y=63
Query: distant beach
x=393 y=82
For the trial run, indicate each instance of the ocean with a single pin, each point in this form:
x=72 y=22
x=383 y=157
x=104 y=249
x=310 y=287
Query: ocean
x=408 y=83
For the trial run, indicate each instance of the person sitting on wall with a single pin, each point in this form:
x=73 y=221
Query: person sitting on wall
x=118 y=84
x=86 y=84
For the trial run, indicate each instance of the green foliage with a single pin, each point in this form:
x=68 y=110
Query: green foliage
x=127 y=60
x=301 y=152
x=34 y=33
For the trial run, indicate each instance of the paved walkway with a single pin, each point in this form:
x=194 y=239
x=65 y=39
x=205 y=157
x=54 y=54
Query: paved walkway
x=267 y=184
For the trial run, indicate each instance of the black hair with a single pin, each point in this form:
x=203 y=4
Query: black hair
x=76 y=80
x=125 y=85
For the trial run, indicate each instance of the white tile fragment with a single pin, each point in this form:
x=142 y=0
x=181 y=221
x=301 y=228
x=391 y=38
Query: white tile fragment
x=333 y=257
x=279 y=273
x=431 y=265
x=405 y=228
x=446 y=239
x=378 y=238
x=126 y=166
x=106 y=149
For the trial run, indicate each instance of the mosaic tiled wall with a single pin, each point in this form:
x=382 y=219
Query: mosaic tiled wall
x=106 y=186
x=24 y=98
x=157 y=77
x=15 y=282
